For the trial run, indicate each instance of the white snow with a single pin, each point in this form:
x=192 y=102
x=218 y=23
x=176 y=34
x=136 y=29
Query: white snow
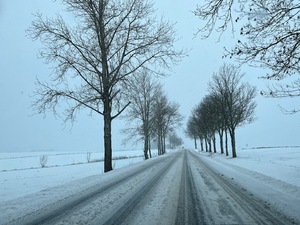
x=21 y=173
x=271 y=174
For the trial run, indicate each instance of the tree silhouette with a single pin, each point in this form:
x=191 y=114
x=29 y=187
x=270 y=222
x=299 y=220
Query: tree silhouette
x=110 y=41
x=269 y=37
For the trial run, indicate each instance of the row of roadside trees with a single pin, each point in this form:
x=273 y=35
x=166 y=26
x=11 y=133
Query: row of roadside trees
x=268 y=37
x=150 y=116
x=106 y=45
x=229 y=104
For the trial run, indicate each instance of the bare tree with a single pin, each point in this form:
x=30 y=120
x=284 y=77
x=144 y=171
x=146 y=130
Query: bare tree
x=237 y=99
x=166 y=118
x=269 y=37
x=217 y=111
x=174 y=140
x=141 y=92
x=217 y=14
x=43 y=160
x=201 y=123
x=192 y=130
x=110 y=41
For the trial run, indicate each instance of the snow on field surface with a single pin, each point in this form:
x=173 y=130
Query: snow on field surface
x=21 y=173
x=272 y=174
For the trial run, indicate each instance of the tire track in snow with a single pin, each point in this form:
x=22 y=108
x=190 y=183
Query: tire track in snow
x=120 y=215
x=259 y=211
x=59 y=210
x=190 y=209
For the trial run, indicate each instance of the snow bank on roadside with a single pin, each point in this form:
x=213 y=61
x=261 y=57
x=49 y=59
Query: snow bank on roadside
x=271 y=174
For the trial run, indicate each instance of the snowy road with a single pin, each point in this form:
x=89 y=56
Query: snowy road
x=178 y=188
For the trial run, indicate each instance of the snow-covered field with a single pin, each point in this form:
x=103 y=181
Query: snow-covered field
x=21 y=173
x=272 y=174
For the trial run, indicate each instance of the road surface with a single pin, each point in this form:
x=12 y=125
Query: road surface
x=178 y=188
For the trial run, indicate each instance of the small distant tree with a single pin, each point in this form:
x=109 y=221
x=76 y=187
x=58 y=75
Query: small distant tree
x=192 y=130
x=88 y=156
x=174 y=140
x=43 y=160
x=108 y=43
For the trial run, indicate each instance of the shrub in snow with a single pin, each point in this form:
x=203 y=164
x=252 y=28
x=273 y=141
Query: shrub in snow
x=88 y=157
x=43 y=160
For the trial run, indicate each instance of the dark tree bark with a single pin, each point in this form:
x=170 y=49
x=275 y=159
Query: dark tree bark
x=201 y=143
x=233 y=144
x=195 y=142
x=146 y=147
x=149 y=147
x=221 y=133
x=214 y=143
x=226 y=142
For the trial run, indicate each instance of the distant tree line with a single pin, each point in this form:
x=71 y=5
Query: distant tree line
x=229 y=104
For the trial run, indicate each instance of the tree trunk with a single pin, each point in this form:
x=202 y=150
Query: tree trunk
x=107 y=138
x=214 y=144
x=195 y=141
x=164 y=144
x=209 y=144
x=146 y=147
x=201 y=143
x=226 y=142
x=206 y=147
x=149 y=147
x=232 y=135
x=221 y=141
x=159 y=144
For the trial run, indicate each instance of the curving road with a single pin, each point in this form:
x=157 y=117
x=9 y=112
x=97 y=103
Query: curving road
x=178 y=188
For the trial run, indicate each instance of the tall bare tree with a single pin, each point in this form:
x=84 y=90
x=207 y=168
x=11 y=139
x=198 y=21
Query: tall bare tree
x=269 y=37
x=111 y=39
x=237 y=99
x=141 y=92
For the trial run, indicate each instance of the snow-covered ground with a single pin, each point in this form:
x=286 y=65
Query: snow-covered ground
x=21 y=172
x=272 y=174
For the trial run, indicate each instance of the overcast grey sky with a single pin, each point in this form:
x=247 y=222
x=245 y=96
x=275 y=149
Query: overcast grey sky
x=20 y=130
